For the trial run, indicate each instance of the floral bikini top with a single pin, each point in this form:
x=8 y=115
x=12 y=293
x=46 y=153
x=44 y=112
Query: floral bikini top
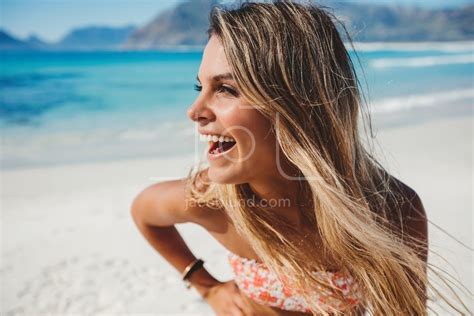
x=257 y=282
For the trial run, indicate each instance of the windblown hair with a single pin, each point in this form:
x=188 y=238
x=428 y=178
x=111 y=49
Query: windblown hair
x=290 y=62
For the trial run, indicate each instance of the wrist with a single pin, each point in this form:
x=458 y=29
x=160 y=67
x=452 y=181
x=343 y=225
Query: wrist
x=203 y=282
x=203 y=290
x=190 y=269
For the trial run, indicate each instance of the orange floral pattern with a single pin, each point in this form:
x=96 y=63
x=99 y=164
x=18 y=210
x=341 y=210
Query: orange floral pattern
x=256 y=281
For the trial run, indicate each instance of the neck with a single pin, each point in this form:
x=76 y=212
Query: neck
x=280 y=194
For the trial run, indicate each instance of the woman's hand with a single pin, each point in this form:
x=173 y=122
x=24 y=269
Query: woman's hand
x=227 y=300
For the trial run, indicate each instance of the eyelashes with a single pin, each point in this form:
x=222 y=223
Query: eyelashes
x=228 y=90
x=221 y=88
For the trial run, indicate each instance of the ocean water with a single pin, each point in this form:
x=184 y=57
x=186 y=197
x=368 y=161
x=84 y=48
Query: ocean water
x=71 y=107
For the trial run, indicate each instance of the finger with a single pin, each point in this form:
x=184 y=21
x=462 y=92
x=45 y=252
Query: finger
x=236 y=311
x=243 y=305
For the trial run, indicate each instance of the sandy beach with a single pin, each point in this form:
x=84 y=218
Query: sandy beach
x=69 y=245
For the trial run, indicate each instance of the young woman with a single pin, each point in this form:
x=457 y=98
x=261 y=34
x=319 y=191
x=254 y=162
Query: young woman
x=313 y=223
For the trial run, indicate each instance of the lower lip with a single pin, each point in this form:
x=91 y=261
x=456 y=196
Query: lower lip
x=215 y=156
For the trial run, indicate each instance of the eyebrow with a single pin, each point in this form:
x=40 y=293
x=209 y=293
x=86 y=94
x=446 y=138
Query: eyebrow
x=219 y=77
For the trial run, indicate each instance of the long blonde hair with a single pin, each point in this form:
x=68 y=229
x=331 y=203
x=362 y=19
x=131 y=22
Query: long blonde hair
x=290 y=62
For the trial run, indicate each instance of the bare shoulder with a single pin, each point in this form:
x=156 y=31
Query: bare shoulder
x=167 y=203
x=415 y=218
x=413 y=208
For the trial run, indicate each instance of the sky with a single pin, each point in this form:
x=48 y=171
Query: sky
x=52 y=19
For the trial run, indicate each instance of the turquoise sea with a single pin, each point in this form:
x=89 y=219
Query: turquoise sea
x=70 y=107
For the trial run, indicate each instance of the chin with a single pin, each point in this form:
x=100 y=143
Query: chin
x=223 y=174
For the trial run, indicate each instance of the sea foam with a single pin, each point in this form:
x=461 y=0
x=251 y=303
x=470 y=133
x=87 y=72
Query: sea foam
x=422 y=100
x=424 y=61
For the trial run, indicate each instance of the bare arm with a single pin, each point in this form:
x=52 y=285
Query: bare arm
x=155 y=211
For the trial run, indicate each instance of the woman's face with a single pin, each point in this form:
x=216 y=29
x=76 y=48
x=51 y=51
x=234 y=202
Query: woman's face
x=221 y=110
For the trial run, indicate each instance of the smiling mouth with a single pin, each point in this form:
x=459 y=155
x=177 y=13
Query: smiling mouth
x=218 y=144
x=220 y=147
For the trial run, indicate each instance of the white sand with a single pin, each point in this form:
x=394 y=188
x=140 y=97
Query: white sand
x=69 y=244
x=436 y=160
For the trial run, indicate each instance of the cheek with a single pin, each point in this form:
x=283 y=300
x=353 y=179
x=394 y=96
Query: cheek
x=253 y=133
x=265 y=151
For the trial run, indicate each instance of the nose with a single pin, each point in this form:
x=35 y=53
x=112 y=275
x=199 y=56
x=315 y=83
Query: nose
x=200 y=112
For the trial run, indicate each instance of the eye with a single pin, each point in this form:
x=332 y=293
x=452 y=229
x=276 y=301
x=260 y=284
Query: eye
x=197 y=87
x=228 y=90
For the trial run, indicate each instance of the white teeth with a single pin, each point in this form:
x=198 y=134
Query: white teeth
x=215 y=138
